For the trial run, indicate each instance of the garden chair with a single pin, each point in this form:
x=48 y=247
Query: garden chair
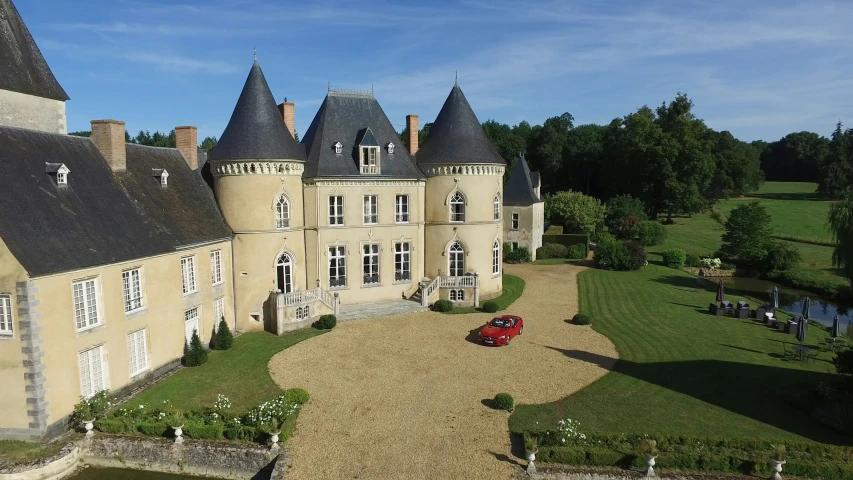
x=811 y=355
x=787 y=353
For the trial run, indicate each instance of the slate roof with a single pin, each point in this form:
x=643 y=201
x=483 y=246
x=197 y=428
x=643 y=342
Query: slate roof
x=366 y=139
x=99 y=217
x=256 y=129
x=22 y=66
x=340 y=119
x=456 y=136
x=519 y=189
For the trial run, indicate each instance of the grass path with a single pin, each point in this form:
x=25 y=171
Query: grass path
x=682 y=371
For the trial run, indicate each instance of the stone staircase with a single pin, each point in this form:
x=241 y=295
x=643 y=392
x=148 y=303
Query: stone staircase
x=379 y=309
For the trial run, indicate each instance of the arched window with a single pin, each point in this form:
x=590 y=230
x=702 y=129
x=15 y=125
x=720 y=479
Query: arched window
x=457 y=295
x=456 y=260
x=496 y=258
x=457 y=207
x=282 y=212
x=497 y=206
x=284 y=273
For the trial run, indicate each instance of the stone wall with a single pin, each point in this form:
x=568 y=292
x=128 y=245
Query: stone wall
x=34 y=113
x=556 y=474
x=53 y=468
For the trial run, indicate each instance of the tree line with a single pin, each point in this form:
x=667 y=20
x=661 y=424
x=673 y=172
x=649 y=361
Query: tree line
x=156 y=139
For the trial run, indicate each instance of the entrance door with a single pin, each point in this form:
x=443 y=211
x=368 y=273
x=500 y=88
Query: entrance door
x=191 y=324
x=456 y=260
x=284 y=273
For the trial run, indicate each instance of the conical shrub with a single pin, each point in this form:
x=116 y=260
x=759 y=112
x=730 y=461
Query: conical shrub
x=224 y=339
x=196 y=353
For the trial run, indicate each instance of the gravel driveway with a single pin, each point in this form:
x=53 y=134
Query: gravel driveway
x=403 y=397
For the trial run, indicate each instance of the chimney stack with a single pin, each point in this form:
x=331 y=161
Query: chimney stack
x=108 y=136
x=412 y=125
x=186 y=139
x=288 y=111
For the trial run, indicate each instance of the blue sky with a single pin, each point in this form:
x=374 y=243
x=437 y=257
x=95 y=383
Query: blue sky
x=758 y=68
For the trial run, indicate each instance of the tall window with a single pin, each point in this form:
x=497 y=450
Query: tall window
x=456 y=260
x=86 y=312
x=371 y=209
x=401 y=209
x=218 y=311
x=137 y=353
x=402 y=262
x=336 y=210
x=337 y=266
x=457 y=207
x=131 y=282
x=216 y=267
x=496 y=258
x=91 y=371
x=191 y=324
x=515 y=221
x=282 y=212
x=188 y=275
x=370 y=264
x=6 y=315
x=284 y=273
x=497 y=206
x=369 y=160
x=61 y=178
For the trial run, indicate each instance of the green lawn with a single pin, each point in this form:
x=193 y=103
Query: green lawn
x=513 y=287
x=240 y=374
x=682 y=371
x=13 y=451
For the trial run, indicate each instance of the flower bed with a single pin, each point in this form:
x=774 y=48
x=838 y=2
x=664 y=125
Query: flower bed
x=211 y=423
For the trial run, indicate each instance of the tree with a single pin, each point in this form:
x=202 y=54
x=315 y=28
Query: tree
x=577 y=212
x=624 y=212
x=549 y=142
x=840 y=222
x=422 y=134
x=748 y=240
x=794 y=158
x=738 y=168
x=508 y=144
x=836 y=172
x=223 y=339
x=208 y=143
x=582 y=160
x=195 y=354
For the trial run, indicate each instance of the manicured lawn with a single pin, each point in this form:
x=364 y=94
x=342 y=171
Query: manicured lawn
x=513 y=287
x=15 y=452
x=682 y=371
x=240 y=374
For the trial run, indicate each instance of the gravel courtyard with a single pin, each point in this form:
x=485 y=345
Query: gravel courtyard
x=403 y=397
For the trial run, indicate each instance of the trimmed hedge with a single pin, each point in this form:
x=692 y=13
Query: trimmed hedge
x=578 y=252
x=111 y=425
x=567 y=240
x=297 y=395
x=517 y=255
x=442 y=306
x=552 y=250
x=581 y=319
x=243 y=433
x=504 y=401
x=490 y=307
x=326 y=322
x=674 y=257
x=200 y=431
x=153 y=429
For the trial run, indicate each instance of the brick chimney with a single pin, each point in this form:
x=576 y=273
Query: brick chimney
x=108 y=136
x=288 y=113
x=412 y=125
x=186 y=139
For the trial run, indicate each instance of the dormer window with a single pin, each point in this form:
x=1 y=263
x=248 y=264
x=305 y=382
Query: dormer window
x=338 y=148
x=161 y=175
x=390 y=148
x=59 y=171
x=368 y=152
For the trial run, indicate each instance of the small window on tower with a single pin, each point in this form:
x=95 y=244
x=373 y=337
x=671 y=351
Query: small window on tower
x=161 y=175
x=338 y=148
x=58 y=171
x=390 y=148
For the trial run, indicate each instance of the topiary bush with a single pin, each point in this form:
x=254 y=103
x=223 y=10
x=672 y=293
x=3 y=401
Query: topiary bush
x=195 y=354
x=674 y=257
x=611 y=254
x=519 y=255
x=504 y=401
x=153 y=429
x=692 y=261
x=223 y=339
x=326 y=322
x=490 y=307
x=111 y=425
x=581 y=319
x=201 y=431
x=650 y=233
x=443 y=306
x=577 y=252
x=299 y=396
x=552 y=250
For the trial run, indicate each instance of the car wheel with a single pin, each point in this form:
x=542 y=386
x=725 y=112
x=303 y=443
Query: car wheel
x=521 y=330
x=508 y=339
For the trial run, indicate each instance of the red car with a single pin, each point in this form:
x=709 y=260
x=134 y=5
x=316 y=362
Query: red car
x=501 y=330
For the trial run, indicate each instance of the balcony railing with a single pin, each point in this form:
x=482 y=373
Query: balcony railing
x=466 y=281
x=369 y=169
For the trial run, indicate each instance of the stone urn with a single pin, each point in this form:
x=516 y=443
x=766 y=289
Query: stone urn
x=89 y=425
x=274 y=437
x=777 y=469
x=179 y=431
x=531 y=457
x=650 y=462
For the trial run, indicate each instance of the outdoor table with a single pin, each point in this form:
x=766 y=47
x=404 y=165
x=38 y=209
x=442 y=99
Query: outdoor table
x=800 y=351
x=834 y=342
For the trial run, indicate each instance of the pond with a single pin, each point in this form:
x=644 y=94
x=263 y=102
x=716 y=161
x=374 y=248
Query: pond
x=790 y=300
x=93 y=473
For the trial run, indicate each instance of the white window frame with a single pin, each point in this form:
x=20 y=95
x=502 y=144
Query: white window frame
x=216 y=267
x=371 y=209
x=90 y=382
x=164 y=179
x=61 y=178
x=497 y=206
x=338 y=148
x=87 y=307
x=457 y=295
x=401 y=208
x=132 y=290
x=370 y=160
x=218 y=311
x=457 y=207
x=402 y=262
x=7 y=327
x=514 y=225
x=137 y=352
x=391 y=148
x=188 y=315
x=370 y=264
x=496 y=258
x=303 y=312
x=188 y=275
x=452 y=252
x=338 y=275
x=282 y=212
x=336 y=210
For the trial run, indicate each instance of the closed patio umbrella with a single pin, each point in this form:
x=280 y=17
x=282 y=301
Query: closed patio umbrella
x=721 y=291
x=836 y=327
x=775 y=298
x=806 y=305
x=801 y=330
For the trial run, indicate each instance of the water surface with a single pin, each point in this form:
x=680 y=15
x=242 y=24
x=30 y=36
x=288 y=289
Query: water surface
x=94 y=473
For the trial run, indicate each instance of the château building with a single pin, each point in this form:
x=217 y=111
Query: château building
x=113 y=254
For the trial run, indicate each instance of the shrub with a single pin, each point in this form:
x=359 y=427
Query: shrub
x=241 y=432
x=92 y=408
x=326 y=322
x=195 y=354
x=519 y=255
x=727 y=266
x=153 y=429
x=637 y=254
x=579 y=213
x=692 y=261
x=504 y=401
x=507 y=249
x=581 y=319
x=611 y=254
x=674 y=257
x=577 y=252
x=843 y=361
x=298 y=396
x=111 y=425
x=650 y=233
x=781 y=256
x=552 y=250
x=201 y=431
x=624 y=212
x=223 y=339
x=490 y=307
x=442 y=306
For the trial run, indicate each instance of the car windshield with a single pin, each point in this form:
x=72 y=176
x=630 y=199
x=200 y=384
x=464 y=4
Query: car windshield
x=500 y=323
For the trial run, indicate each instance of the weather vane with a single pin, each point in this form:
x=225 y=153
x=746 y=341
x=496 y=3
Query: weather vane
x=456 y=82
x=256 y=53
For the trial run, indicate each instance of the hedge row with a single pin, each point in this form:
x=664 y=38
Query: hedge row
x=805 y=280
x=566 y=240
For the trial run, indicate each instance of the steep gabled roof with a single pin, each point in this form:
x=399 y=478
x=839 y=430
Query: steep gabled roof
x=519 y=189
x=456 y=136
x=344 y=117
x=22 y=66
x=366 y=139
x=256 y=130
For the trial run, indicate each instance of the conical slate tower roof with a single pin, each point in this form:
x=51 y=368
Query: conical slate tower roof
x=256 y=129
x=22 y=66
x=519 y=188
x=457 y=136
